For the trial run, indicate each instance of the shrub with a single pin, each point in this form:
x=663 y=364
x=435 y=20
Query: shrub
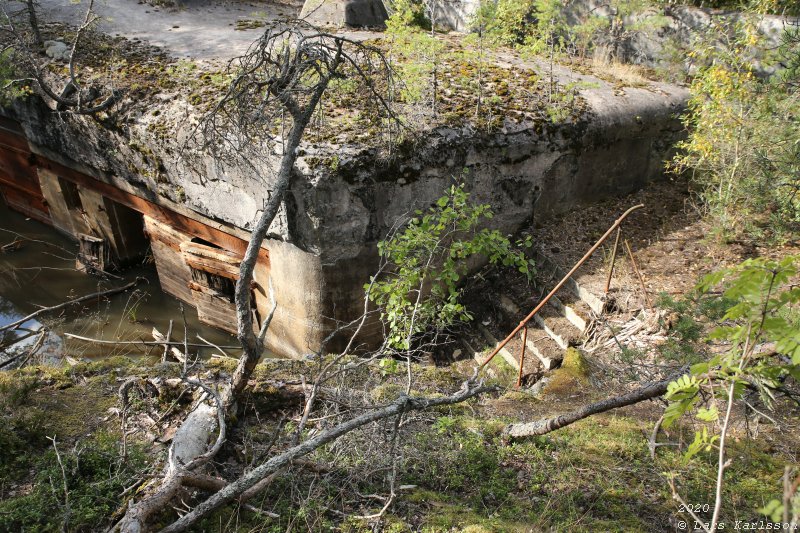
x=428 y=259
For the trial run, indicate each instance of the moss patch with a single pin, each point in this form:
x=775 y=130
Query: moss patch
x=571 y=377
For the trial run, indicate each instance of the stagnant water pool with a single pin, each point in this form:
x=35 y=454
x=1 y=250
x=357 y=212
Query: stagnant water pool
x=41 y=272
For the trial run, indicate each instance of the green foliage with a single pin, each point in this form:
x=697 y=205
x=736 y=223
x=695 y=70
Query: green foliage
x=406 y=16
x=587 y=477
x=462 y=458
x=535 y=26
x=685 y=319
x=759 y=292
x=505 y=21
x=417 y=50
x=548 y=33
x=20 y=429
x=742 y=149
x=772 y=7
x=10 y=89
x=541 y=27
x=95 y=476
x=789 y=56
x=429 y=258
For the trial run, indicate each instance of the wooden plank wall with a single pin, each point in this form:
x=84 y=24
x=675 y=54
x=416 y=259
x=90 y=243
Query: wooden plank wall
x=213 y=269
x=79 y=204
x=176 y=256
x=19 y=183
x=173 y=272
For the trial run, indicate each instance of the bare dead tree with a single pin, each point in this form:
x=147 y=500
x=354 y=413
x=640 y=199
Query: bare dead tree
x=21 y=36
x=276 y=90
x=403 y=404
x=258 y=124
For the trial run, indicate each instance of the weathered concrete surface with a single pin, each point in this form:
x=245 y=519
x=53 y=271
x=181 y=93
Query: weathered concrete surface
x=322 y=246
x=200 y=29
x=454 y=14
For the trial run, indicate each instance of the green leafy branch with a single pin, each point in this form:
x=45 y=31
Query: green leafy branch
x=430 y=257
x=761 y=340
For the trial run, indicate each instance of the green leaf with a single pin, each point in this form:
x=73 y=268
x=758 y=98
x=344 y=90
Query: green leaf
x=773 y=510
x=708 y=415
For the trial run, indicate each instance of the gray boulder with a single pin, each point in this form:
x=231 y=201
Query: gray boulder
x=340 y=13
x=57 y=50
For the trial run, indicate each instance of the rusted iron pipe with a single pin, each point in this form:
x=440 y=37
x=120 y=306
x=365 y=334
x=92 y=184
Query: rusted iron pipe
x=638 y=274
x=522 y=355
x=613 y=260
x=561 y=283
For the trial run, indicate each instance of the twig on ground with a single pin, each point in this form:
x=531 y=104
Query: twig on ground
x=63 y=305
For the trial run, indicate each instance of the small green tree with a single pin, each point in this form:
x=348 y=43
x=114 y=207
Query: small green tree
x=429 y=258
x=742 y=149
x=414 y=53
x=761 y=334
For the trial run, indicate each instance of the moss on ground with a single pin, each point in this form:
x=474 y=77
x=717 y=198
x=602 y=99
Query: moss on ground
x=594 y=476
x=457 y=471
x=48 y=415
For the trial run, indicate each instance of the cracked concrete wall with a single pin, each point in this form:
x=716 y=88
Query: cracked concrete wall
x=322 y=246
x=526 y=173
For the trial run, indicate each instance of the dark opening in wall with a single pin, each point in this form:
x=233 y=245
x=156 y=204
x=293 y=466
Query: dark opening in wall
x=72 y=197
x=224 y=287
x=204 y=242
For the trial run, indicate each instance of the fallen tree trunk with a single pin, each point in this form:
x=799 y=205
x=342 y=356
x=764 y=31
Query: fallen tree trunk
x=237 y=488
x=547 y=425
x=188 y=451
x=43 y=310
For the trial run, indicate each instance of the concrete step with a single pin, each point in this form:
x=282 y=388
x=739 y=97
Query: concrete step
x=548 y=268
x=554 y=328
x=576 y=311
x=557 y=326
x=541 y=351
x=505 y=353
x=542 y=345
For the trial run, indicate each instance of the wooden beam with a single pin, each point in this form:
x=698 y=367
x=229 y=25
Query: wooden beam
x=166 y=215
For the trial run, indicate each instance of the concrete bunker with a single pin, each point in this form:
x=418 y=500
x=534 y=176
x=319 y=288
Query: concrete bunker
x=120 y=191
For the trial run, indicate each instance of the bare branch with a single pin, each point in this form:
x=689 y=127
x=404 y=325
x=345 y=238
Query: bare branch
x=546 y=425
x=63 y=305
x=404 y=403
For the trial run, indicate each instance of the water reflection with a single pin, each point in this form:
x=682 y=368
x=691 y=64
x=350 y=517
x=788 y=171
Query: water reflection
x=40 y=272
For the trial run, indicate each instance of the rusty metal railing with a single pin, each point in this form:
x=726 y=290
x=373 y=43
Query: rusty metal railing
x=546 y=299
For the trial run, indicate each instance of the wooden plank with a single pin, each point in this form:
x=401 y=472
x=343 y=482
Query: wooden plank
x=173 y=273
x=164 y=234
x=12 y=136
x=212 y=260
x=34 y=208
x=217 y=269
x=60 y=217
x=160 y=213
x=92 y=253
x=215 y=311
x=19 y=181
x=216 y=254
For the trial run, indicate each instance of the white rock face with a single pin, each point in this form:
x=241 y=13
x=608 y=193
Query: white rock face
x=57 y=50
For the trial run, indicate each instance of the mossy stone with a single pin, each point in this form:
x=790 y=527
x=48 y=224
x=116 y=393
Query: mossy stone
x=571 y=376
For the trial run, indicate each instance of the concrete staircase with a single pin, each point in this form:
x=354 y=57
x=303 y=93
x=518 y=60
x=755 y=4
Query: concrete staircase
x=560 y=324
